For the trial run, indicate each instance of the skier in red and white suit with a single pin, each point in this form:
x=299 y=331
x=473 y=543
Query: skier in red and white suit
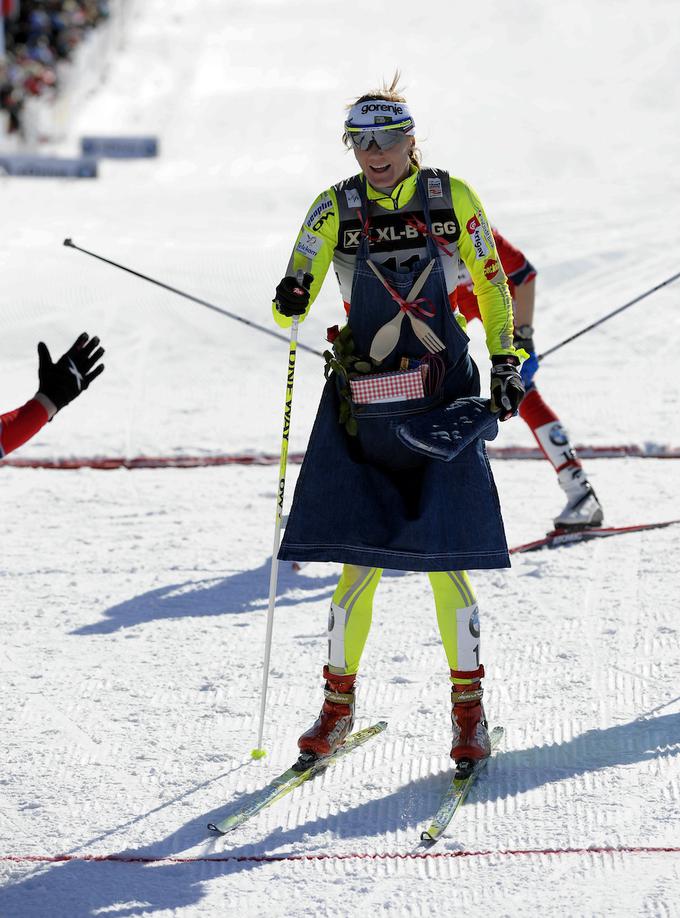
x=59 y=384
x=582 y=507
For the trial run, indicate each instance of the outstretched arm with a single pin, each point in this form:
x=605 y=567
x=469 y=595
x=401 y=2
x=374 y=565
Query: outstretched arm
x=18 y=426
x=60 y=383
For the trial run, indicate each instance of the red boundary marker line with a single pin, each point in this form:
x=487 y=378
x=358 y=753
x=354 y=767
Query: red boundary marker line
x=376 y=856
x=189 y=462
x=150 y=462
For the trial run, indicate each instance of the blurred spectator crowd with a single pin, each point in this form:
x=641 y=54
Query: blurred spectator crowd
x=39 y=34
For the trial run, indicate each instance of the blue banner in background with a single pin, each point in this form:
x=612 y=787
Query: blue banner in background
x=47 y=166
x=119 y=147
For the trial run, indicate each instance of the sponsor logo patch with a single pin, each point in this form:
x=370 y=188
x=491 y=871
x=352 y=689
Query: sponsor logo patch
x=475 y=231
x=434 y=188
x=472 y=225
x=322 y=219
x=353 y=197
x=387 y=235
x=324 y=204
x=390 y=108
x=488 y=235
x=558 y=435
x=309 y=245
x=351 y=239
x=491 y=268
x=474 y=623
x=445 y=228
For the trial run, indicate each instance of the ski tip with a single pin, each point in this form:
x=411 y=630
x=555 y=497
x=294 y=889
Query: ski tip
x=426 y=837
x=68 y=242
x=258 y=753
x=213 y=828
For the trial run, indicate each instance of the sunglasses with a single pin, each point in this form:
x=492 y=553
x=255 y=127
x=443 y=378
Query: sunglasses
x=361 y=140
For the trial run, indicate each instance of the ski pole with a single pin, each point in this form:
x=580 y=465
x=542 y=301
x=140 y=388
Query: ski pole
x=194 y=299
x=608 y=316
x=259 y=752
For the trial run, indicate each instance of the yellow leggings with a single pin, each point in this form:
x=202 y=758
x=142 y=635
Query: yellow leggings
x=352 y=608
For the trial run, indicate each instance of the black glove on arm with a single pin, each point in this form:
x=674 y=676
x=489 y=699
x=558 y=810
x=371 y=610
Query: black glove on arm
x=292 y=297
x=507 y=390
x=64 y=380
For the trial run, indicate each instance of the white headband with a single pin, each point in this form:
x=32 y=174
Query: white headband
x=381 y=115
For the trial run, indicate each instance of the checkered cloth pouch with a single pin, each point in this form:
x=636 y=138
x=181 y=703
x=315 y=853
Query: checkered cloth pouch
x=387 y=387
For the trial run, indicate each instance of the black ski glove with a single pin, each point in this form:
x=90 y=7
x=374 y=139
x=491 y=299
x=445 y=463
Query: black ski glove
x=507 y=390
x=292 y=297
x=64 y=380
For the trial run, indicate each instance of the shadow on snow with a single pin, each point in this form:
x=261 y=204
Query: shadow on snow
x=84 y=890
x=243 y=591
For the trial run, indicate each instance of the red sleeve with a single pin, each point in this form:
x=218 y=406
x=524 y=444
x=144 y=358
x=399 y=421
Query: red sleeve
x=518 y=269
x=18 y=426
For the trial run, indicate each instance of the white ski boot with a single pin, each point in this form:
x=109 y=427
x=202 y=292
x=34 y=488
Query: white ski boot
x=582 y=509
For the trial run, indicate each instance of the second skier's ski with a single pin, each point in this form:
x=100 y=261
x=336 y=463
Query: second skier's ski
x=559 y=537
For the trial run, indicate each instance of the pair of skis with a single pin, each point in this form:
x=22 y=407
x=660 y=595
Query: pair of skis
x=455 y=793
x=459 y=785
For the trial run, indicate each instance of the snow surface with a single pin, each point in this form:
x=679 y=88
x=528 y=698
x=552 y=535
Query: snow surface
x=133 y=604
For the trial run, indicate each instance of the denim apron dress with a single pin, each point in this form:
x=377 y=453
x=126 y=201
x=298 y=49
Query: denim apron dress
x=371 y=500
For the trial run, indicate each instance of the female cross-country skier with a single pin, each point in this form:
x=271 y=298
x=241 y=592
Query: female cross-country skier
x=397 y=235
x=59 y=383
x=582 y=507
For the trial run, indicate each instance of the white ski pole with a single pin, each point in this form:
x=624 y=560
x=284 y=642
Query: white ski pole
x=259 y=752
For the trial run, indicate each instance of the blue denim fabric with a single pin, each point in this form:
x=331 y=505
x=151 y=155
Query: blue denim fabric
x=443 y=433
x=369 y=499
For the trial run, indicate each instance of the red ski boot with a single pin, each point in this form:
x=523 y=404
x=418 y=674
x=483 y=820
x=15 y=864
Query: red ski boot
x=470 y=736
x=335 y=720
